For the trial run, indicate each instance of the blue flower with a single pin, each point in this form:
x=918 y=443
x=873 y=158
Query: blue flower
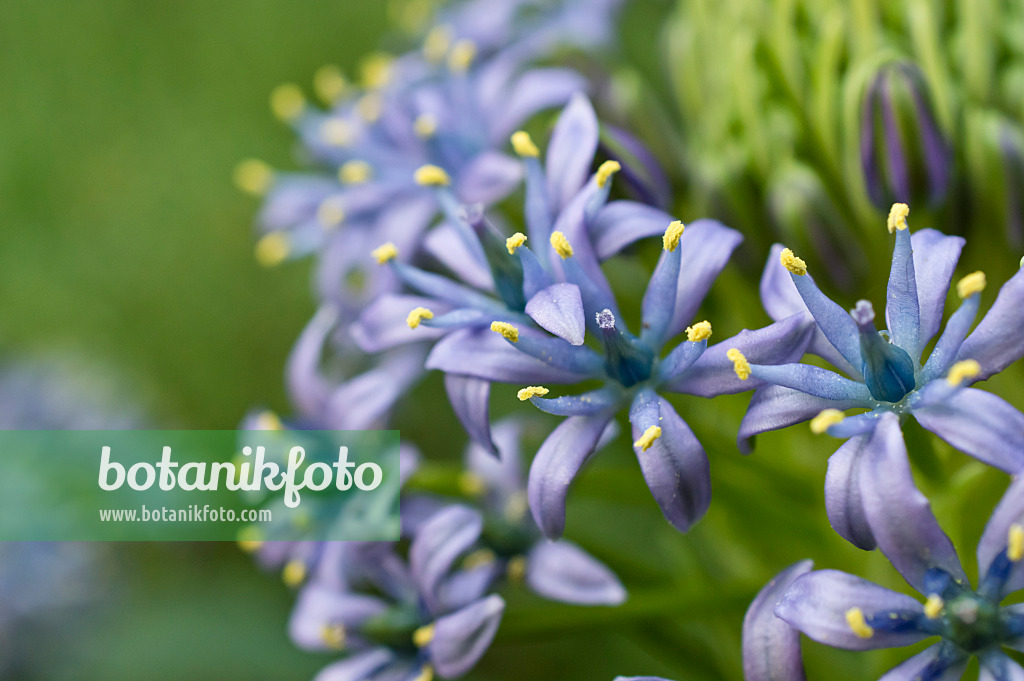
x=845 y=611
x=884 y=370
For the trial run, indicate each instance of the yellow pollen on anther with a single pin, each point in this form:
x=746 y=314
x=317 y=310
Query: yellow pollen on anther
x=294 y=573
x=253 y=176
x=331 y=212
x=478 y=558
x=605 y=172
x=672 y=235
x=384 y=253
x=933 y=606
x=973 y=283
x=355 y=172
x=268 y=420
x=739 y=364
x=337 y=132
x=375 y=70
x=425 y=126
x=436 y=43
x=1015 y=543
x=516 y=507
x=418 y=315
x=461 y=56
x=272 y=249
x=516 y=569
x=514 y=242
x=431 y=176
x=532 y=391
x=333 y=636
x=426 y=674
x=825 y=419
x=287 y=102
x=509 y=332
x=792 y=263
x=700 y=331
x=523 y=144
x=471 y=484
x=423 y=636
x=648 y=438
x=898 y=217
x=369 y=107
x=561 y=245
x=250 y=539
x=859 y=626
x=329 y=83
x=961 y=371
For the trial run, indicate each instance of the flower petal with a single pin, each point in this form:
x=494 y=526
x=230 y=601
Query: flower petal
x=307 y=387
x=902 y=308
x=771 y=648
x=559 y=309
x=813 y=380
x=357 y=667
x=571 y=150
x=940 y=662
x=488 y=178
x=997 y=666
x=564 y=572
x=706 y=246
x=844 y=503
x=995 y=538
x=444 y=243
x=470 y=400
x=620 y=223
x=320 y=607
x=979 y=423
x=484 y=354
x=935 y=258
x=365 y=400
x=442 y=539
x=773 y=407
x=383 y=324
x=502 y=474
x=997 y=341
x=534 y=91
x=461 y=638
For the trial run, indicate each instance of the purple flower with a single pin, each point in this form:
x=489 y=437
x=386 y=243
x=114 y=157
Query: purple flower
x=884 y=370
x=845 y=611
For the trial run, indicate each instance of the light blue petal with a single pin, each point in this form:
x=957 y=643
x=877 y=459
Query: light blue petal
x=559 y=309
x=813 y=381
x=902 y=309
x=771 y=648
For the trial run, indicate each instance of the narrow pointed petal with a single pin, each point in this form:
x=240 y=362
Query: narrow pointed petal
x=488 y=178
x=773 y=407
x=844 y=502
x=622 y=223
x=358 y=667
x=813 y=380
x=464 y=587
x=674 y=465
x=900 y=516
x=835 y=323
x=556 y=465
x=997 y=341
x=534 y=91
x=461 y=638
x=484 y=354
x=571 y=150
x=935 y=258
x=444 y=243
x=501 y=474
x=438 y=286
x=564 y=572
x=771 y=648
x=584 y=404
x=681 y=358
x=659 y=301
x=384 y=322
x=979 y=423
x=365 y=400
x=319 y=607
x=470 y=400
x=535 y=276
x=951 y=340
x=559 y=309
x=307 y=387
x=706 y=246
x=995 y=538
x=439 y=542
x=902 y=308
x=997 y=666
x=817 y=603
x=940 y=662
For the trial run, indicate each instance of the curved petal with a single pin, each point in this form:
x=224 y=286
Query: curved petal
x=771 y=648
x=995 y=538
x=470 y=400
x=981 y=424
x=318 y=608
x=564 y=572
x=813 y=380
x=935 y=258
x=357 y=667
x=774 y=406
x=461 y=638
x=902 y=309
x=559 y=309
x=706 y=246
x=844 y=503
x=484 y=354
x=365 y=400
x=488 y=178
x=502 y=474
x=997 y=666
x=997 y=342
x=383 y=324
x=534 y=91
x=439 y=541
x=444 y=243
x=307 y=387
x=571 y=150
x=620 y=223
x=579 y=405
x=940 y=662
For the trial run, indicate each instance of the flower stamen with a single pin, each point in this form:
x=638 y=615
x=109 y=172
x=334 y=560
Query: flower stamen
x=514 y=242
x=385 y=253
x=672 y=235
x=974 y=282
x=561 y=245
x=508 y=332
x=792 y=263
x=825 y=419
x=417 y=315
x=961 y=371
x=739 y=364
x=898 y=217
x=431 y=176
x=423 y=636
x=859 y=626
x=1015 y=543
x=933 y=606
x=532 y=391
x=648 y=439
x=700 y=331
x=523 y=144
x=605 y=172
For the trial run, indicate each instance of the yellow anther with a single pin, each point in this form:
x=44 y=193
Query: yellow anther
x=355 y=172
x=384 y=253
x=478 y=558
x=375 y=70
x=369 y=107
x=532 y=391
x=700 y=331
x=516 y=569
x=471 y=484
x=426 y=673
x=898 y=217
x=961 y=371
x=792 y=263
x=825 y=419
x=418 y=315
x=514 y=242
x=250 y=539
x=432 y=176
x=933 y=606
x=272 y=249
x=268 y=420
x=1015 y=543
x=973 y=283
x=648 y=438
x=331 y=212
x=287 y=102
x=337 y=132
x=516 y=507
x=329 y=84
x=423 y=636
x=523 y=144
x=859 y=626
x=739 y=364
x=425 y=126
x=253 y=176
x=436 y=43
x=605 y=172
x=333 y=636
x=672 y=235
x=461 y=56
x=509 y=332
x=561 y=245
x=294 y=573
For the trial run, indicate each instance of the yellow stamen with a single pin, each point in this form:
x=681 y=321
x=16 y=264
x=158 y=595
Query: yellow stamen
x=516 y=507
x=337 y=132
x=329 y=83
x=516 y=569
x=426 y=674
x=561 y=245
x=605 y=172
x=272 y=249
x=1015 y=543
x=859 y=626
x=961 y=371
x=792 y=263
x=384 y=253
x=253 y=176
x=509 y=332
x=418 y=315
x=825 y=419
x=333 y=636
x=436 y=43
x=461 y=56
x=971 y=284
x=532 y=391
x=250 y=539
x=478 y=558
x=375 y=70
x=369 y=107
x=898 y=217
x=431 y=176
x=647 y=439
x=514 y=242
x=739 y=364
x=331 y=212
x=423 y=636
x=268 y=420
x=425 y=126
x=471 y=484
x=700 y=331
x=523 y=144
x=933 y=606
x=672 y=235
x=287 y=102
x=355 y=172
x=294 y=573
